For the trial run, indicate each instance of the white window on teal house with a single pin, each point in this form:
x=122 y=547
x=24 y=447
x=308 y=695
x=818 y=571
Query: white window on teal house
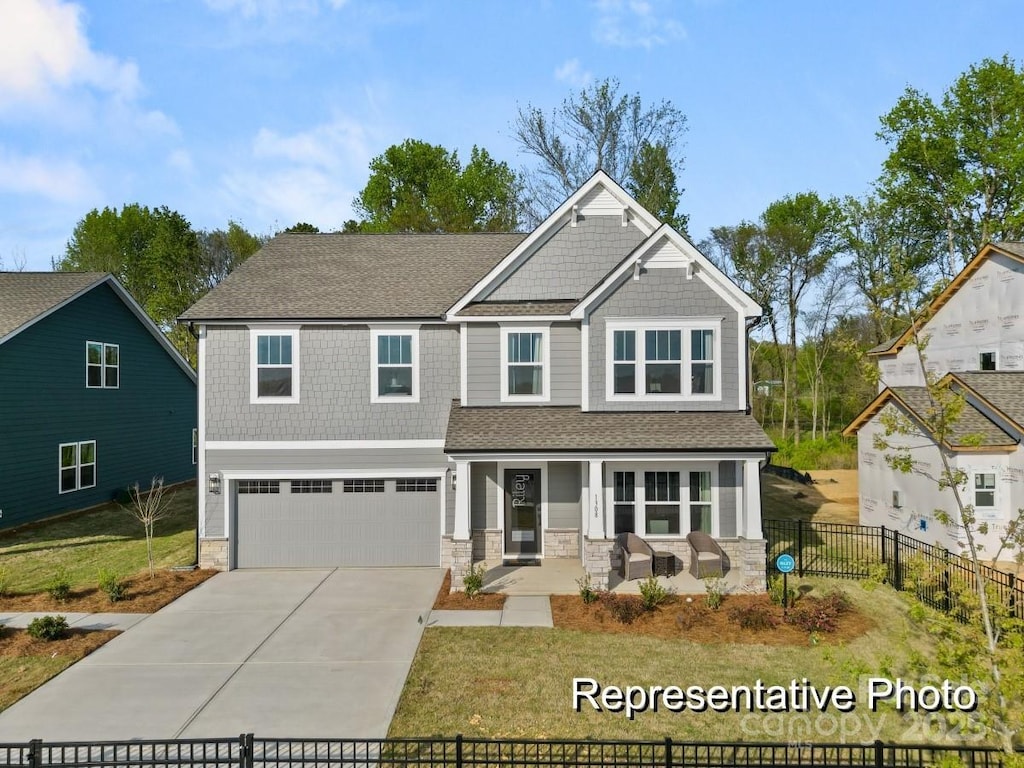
x=274 y=377
x=77 y=466
x=102 y=365
x=395 y=368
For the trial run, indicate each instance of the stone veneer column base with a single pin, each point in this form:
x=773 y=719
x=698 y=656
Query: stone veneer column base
x=487 y=546
x=456 y=554
x=599 y=560
x=562 y=543
x=213 y=553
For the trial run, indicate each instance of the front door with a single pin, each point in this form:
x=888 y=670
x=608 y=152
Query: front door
x=522 y=512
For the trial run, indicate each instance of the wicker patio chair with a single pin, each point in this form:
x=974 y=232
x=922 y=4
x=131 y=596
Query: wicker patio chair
x=706 y=557
x=637 y=556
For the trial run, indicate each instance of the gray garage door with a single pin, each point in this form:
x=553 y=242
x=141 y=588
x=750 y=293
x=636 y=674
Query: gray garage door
x=315 y=523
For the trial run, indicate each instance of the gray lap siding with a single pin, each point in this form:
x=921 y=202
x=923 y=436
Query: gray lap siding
x=483 y=345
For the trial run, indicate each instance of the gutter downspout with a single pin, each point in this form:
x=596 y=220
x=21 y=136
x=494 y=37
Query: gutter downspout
x=199 y=480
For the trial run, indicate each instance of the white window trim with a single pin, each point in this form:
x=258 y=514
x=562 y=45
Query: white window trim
x=78 y=466
x=684 y=326
x=640 y=505
x=195 y=445
x=103 y=365
x=545 y=351
x=995 y=489
x=254 y=334
x=376 y=333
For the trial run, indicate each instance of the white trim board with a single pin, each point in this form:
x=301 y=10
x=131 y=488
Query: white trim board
x=317 y=445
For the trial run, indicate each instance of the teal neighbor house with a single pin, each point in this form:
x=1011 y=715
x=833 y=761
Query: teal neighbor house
x=93 y=397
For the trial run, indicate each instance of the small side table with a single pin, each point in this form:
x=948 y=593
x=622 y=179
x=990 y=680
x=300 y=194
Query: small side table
x=664 y=564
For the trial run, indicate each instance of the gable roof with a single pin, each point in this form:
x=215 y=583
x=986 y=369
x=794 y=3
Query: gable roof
x=972 y=432
x=28 y=297
x=353 y=276
x=1001 y=391
x=1012 y=250
x=645 y=220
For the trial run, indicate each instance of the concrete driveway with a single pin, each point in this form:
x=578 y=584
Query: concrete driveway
x=296 y=653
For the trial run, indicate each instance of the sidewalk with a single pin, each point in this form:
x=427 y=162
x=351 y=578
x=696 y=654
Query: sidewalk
x=118 y=621
x=519 y=611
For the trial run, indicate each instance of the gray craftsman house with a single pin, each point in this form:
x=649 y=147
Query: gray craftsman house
x=415 y=399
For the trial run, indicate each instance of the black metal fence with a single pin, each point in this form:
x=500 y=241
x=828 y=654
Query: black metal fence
x=938 y=578
x=246 y=751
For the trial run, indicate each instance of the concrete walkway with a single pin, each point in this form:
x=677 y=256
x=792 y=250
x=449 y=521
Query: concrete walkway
x=118 y=621
x=306 y=653
x=519 y=611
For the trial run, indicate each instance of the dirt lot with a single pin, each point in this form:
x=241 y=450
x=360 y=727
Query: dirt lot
x=832 y=498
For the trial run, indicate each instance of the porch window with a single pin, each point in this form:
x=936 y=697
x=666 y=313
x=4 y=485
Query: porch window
x=625 y=362
x=984 y=489
x=625 y=502
x=661 y=508
x=700 y=501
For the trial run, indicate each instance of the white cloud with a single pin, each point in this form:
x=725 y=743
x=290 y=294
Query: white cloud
x=634 y=24
x=181 y=160
x=57 y=180
x=251 y=9
x=310 y=175
x=572 y=72
x=44 y=49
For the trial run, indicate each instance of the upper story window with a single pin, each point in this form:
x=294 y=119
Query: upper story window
x=987 y=361
x=664 y=359
x=77 y=466
x=102 y=365
x=525 y=367
x=274 y=376
x=984 y=490
x=395 y=367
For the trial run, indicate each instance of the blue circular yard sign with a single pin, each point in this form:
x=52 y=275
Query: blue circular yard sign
x=785 y=563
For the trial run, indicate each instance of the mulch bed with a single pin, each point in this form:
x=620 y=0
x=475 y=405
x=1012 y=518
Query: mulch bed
x=145 y=595
x=694 y=621
x=18 y=643
x=460 y=601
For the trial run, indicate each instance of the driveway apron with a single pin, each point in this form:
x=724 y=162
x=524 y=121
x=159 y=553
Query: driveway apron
x=286 y=653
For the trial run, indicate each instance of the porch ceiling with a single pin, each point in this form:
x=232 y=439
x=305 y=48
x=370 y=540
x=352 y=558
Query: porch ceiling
x=567 y=428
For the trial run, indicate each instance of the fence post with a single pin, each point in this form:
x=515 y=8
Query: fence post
x=879 y=753
x=947 y=598
x=668 y=752
x=883 y=545
x=458 y=751
x=897 y=575
x=35 y=753
x=800 y=547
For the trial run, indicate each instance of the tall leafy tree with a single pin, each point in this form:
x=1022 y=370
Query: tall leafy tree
x=957 y=165
x=421 y=187
x=221 y=250
x=652 y=182
x=302 y=227
x=600 y=129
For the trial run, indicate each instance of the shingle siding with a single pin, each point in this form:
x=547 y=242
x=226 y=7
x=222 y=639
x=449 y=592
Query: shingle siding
x=665 y=293
x=571 y=262
x=334 y=389
x=142 y=429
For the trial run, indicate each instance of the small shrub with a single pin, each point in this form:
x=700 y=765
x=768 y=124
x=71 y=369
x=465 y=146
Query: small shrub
x=60 y=586
x=48 y=628
x=587 y=592
x=755 y=617
x=715 y=589
x=625 y=608
x=113 y=584
x=473 y=581
x=776 y=591
x=815 y=615
x=692 y=615
x=653 y=593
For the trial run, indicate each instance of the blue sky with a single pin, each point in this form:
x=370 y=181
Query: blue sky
x=269 y=111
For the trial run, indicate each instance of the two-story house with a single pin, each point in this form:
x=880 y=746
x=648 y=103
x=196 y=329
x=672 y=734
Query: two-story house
x=93 y=398
x=973 y=343
x=439 y=399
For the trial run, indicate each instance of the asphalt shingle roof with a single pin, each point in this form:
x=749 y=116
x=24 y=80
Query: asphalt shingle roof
x=26 y=295
x=567 y=428
x=971 y=426
x=342 y=276
x=1003 y=389
x=491 y=308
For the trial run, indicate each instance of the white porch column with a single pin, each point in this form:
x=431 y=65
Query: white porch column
x=752 y=496
x=595 y=500
x=461 y=531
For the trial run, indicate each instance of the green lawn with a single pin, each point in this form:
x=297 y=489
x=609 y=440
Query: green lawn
x=517 y=683
x=107 y=537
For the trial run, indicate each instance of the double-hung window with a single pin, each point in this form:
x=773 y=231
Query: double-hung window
x=395 y=366
x=664 y=359
x=525 y=368
x=102 y=365
x=984 y=490
x=625 y=502
x=700 y=501
x=77 y=466
x=661 y=508
x=275 y=366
